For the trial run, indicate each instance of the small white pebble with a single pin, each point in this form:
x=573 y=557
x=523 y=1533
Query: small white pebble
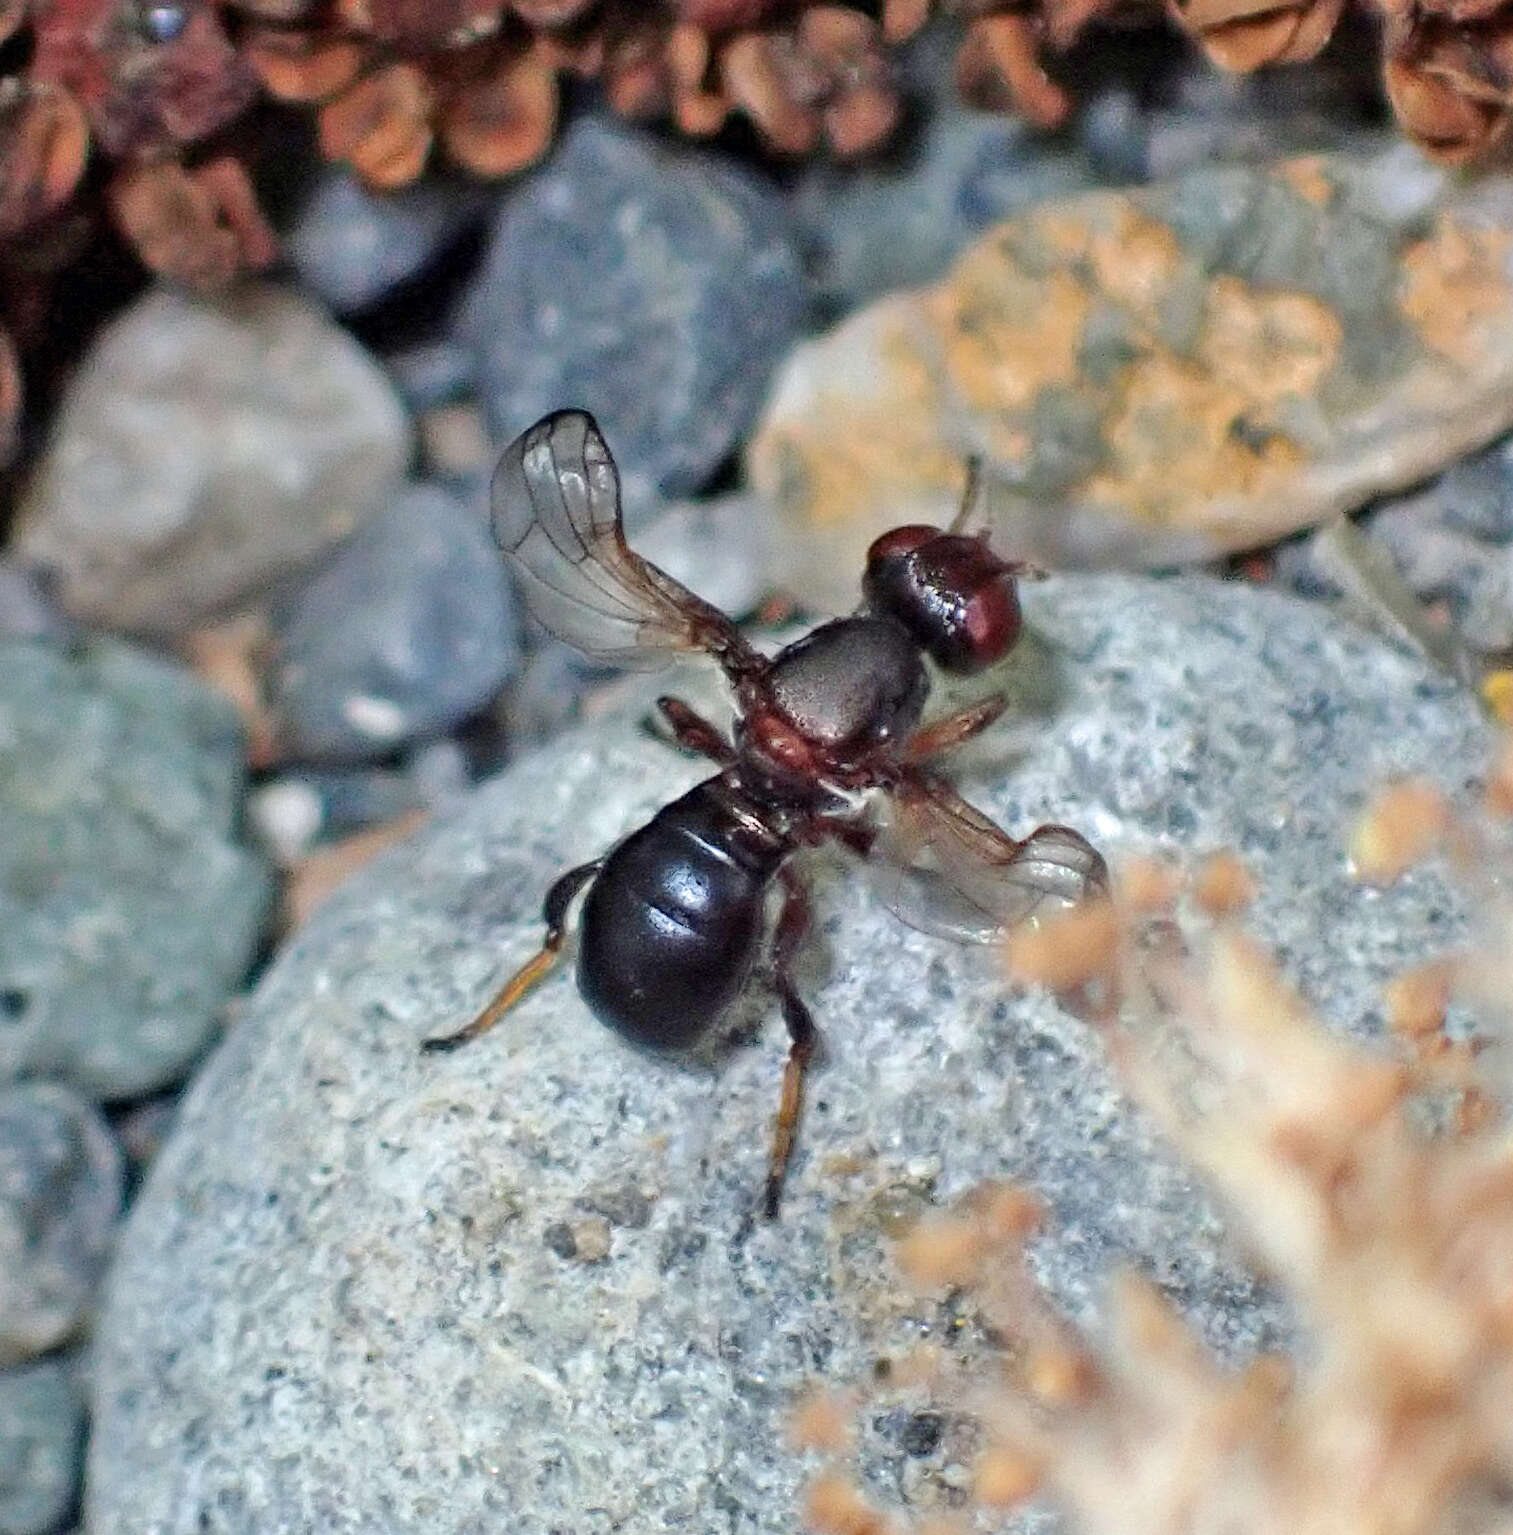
x=286 y=817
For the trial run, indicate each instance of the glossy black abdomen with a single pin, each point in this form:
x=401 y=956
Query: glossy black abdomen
x=674 y=920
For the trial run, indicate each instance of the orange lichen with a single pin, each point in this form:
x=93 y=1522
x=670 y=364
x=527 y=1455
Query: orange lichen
x=1008 y=334
x=1267 y=344
x=1453 y=282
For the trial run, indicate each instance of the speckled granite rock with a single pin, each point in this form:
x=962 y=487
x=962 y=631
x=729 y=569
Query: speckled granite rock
x=1161 y=374
x=521 y=1287
x=129 y=912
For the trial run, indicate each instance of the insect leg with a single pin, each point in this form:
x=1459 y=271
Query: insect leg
x=554 y=914
x=953 y=729
x=694 y=733
x=792 y=924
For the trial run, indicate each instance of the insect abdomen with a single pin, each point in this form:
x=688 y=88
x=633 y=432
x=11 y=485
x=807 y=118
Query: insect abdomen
x=674 y=921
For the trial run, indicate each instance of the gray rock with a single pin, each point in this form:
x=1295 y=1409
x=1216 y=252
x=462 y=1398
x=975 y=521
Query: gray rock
x=352 y=246
x=432 y=373
x=410 y=627
x=653 y=285
x=1204 y=116
x=1451 y=541
x=27 y=609
x=41 y=1447
x=204 y=450
x=900 y=221
x=549 y=694
x=720 y=548
x=522 y=1287
x=128 y=911
x=60 y=1194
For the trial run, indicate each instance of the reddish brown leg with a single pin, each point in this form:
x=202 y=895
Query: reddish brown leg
x=953 y=729
x=537 y=968
x=793 y=923
x=694 y=733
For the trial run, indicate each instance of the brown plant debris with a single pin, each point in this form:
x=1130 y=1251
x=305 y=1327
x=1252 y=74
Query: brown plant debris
x=1390 y=1226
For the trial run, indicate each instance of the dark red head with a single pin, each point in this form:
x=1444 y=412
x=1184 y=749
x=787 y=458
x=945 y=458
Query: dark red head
x=958 y=600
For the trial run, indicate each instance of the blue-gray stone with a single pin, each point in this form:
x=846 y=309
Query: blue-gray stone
x=129 y=911
x=899 y=222
x=652 y=284
x=60 y=1195
x=27 y=609
x=352 y=246
x=41 y=1447
x=408 y=629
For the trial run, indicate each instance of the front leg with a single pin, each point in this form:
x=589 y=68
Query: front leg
x=930 y=739
x=694 y=733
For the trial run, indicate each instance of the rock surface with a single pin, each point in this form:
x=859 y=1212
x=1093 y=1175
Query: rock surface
x=654 y=286
x=1159 y=375
x=352 y=246
x=41 y=1436
x=522 y=1287
x=1451 y=541
x=60 y=1194
x=408 y=628
x=874 y=227
x=128 y=911
x=204 y=450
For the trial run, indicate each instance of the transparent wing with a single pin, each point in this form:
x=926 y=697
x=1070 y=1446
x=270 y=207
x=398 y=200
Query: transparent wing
x=943 y=867
x=556 y=512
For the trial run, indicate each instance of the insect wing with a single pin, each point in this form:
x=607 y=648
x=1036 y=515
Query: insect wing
x=945 y=868
x=556 y=514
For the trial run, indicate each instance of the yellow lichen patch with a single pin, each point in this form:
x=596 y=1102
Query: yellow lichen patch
x=1133 y=261
x=1007 y=335
x=1454 y=283
x=839 y=451
x=1180 y=438
x=1309 y=178
x=1265 y=344
x=1497 y=695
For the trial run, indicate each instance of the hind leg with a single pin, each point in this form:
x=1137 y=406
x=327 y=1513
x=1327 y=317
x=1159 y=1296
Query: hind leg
x=554 y=913
x=792 y=925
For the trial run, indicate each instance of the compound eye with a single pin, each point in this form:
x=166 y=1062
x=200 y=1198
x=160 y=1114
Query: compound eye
x=900 y=541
